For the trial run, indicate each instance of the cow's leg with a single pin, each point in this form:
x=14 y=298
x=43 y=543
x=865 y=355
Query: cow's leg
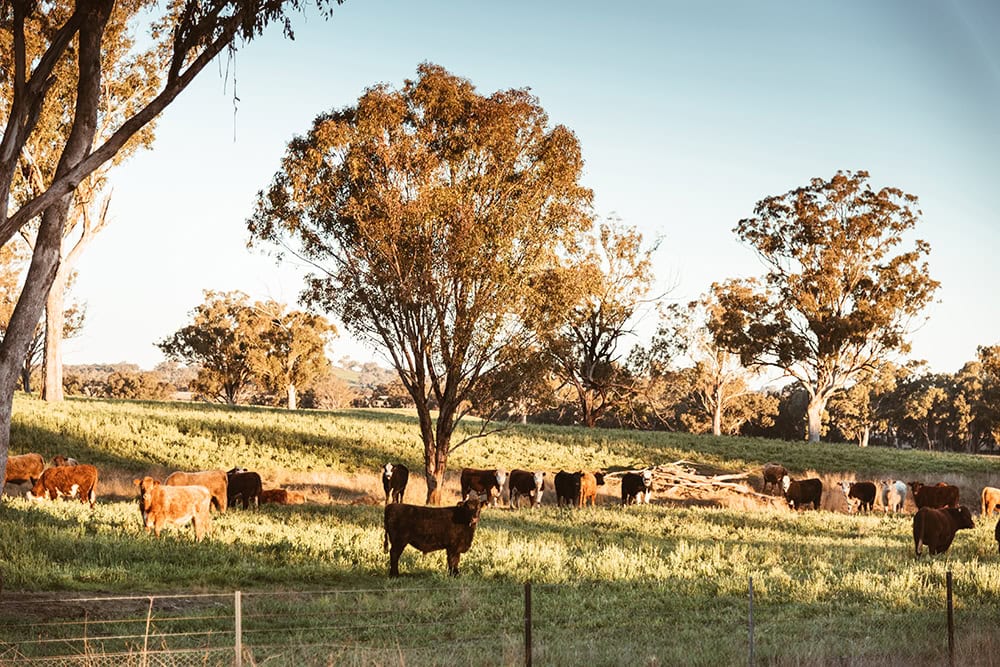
x=453 y=557
x=394 y=554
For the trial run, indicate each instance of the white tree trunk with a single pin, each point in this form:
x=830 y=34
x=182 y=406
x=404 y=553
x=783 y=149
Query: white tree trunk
x=292 y=403
x=863 y=439
x=52 y=384
x=814 y=413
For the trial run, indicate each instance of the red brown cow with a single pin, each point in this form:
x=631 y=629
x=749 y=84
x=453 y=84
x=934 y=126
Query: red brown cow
x=802 y=492
x=991 y=500
x=940 y=495
x=176 y=505
x=394 y=480
x=937 y=527
x=60 y=460
x=67 y=482
x=773 y=474
x=589 y=481
x=281 y=497
x=526 y=483
x=243 y=484
x=24 y=468
x=216 y=481
x=430 y=529
x=488 y=483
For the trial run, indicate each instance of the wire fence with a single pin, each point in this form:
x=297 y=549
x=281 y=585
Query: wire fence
x=481 y=625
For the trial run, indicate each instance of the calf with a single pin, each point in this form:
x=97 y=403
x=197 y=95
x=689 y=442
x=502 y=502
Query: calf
x=244 y=485
x=893 y=495
x=281 y=497
x=567 y=488
x=24 y=468
x=589 y=481
x=60 y=460
x=859 y=495
x=525 y=483
x=937 y=527
x=176 y=505
x=941 y=495
x=488 y=483
x=430 y=529
x=216 y=481
x=637 y=487
x=991 y=500
x=773 y=474
x=394 y=479
x=67 y=481
x=802 y=492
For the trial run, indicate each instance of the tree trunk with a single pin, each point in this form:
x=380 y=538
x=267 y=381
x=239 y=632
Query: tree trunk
x=717 y=412
x=292 y=404
x=814 y=413
x=26 y=375
x=863 y=438
x=52 y=383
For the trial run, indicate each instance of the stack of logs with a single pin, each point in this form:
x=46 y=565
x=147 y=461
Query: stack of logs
x=682 y=481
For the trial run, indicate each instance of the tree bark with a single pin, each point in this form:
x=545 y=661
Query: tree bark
x=814 y=413
x=52 y=384
x=292 y=403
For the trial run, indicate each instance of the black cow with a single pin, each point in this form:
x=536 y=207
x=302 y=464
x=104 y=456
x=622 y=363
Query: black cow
x=567 y=488
x=937 y=527
x=996 y=535
x=525 y=483
x=430 y=529
x=637 y=487
x=487 y=483
x=939 y=495
x=394 y=479
x=862 y=492
x=245 y=485
x=802 y=492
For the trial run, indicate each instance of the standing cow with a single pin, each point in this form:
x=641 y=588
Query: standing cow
x=176 y=505
x=67 y=482
x=589 y=481
x=394 y=480
x=245 y=485
x=525 y=483
x=939 y=495
x=991 y=500
x=488 y=483
x=567 y=486
x=637 y=487
x=802 y=492
x=24 y=468
x=773 y=474
x=937 y=527
x=860 y=496
x=893 y=495
x=430 y=529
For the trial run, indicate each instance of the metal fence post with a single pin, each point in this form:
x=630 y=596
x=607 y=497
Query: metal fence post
x=527 y=624
x=951 y=625
x=238 y=614
x=750 y=626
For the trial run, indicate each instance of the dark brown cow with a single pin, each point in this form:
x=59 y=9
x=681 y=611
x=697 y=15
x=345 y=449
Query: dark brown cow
x=773 y=474
x=394 y=480
x=67 y=482
x=567 y=486
x=487 y=483
x=940 y=495
x=60 y=460
x=24 y=468
x=859 y=495
x=244 y=485
x=526 y=483
x=937 y=527
x=176 y=505
x=216 y=481
x=996 y=535
x=430 y=529
x=802 y=492
x=589 y=481
x=637 y=487
x=281 y=497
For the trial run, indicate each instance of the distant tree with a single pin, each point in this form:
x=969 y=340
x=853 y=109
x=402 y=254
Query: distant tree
x=290 y=348
x=925 y=408
x=176 y=374
x=328 y=392
x=614 y=278
x=868 y=404
x=837 y=298
x=221 y=340
x=184 y=37
x=145 y=385
x=430 y=212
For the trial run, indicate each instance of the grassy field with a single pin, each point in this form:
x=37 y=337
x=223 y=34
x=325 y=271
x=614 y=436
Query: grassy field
x=652 y=585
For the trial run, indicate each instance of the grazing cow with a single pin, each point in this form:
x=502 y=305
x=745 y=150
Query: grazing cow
x=281 y=497
x=937 y=527
x=940 y=495
x=996 y=535
x=773 y=473
x=860 y=496
x=24 y=468
x=67 y=481
x=802 y=492
x=893 y=495
x=637 y=487
x=525 y=483
x=589 y=481
x=991 y=500
x=488 y=483
x=567 y=488
x=430 y=529
x=394 y=479
x=216 y=481
x=177 y=505
x=243 y=484
x=60 y=460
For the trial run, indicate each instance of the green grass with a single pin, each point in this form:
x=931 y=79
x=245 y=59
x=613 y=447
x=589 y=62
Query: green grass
x=643 y=585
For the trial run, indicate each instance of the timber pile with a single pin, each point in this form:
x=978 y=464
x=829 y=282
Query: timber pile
x=683 y=481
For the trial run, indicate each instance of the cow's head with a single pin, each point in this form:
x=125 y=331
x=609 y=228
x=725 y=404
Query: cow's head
x=387 y=471
x=599 y=476
x=539 y=478
x=501 y=477
x=916 y=486
x=963 y=517
x=467 y=511
x=647 y=478
x=235 y=471
x=786 y=482
x=846 y=488
x=146 y=486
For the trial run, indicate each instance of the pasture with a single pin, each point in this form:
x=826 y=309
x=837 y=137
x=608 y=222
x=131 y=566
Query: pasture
x=659 y=584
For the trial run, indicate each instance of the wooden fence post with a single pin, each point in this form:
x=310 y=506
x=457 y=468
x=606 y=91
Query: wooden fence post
x=145 y=639
x=238 y=614
x=951 y=625
x=750 y=628
x=527 y=624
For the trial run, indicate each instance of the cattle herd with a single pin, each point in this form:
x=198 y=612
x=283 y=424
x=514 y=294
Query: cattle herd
x=188 y=497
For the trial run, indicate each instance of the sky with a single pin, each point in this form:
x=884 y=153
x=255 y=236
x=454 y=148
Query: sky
x=688 y=113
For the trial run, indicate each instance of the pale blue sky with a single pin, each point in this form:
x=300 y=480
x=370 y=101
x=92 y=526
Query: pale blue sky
x=687 y=113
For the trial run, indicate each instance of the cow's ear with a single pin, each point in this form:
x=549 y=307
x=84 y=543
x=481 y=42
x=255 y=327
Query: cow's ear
x=137 y=482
